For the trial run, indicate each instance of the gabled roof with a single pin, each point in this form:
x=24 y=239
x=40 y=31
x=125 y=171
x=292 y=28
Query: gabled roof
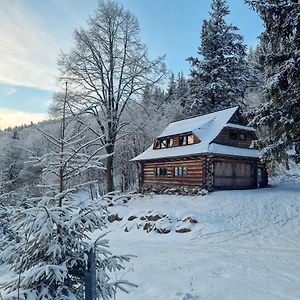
x=206 y=128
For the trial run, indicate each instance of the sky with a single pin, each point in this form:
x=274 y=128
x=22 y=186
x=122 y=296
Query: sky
x=34 y=32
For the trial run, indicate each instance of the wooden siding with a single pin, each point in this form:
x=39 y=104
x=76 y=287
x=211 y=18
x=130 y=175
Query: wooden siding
x=224 y=138
x=195 y=173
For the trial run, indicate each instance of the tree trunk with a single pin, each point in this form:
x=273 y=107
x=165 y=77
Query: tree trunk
x=110 y=169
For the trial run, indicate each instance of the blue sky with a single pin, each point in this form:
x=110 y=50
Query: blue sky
x=33 y=32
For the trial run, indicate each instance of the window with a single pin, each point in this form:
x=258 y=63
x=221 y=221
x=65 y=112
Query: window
x=187 y=139
x=161 y=171
x=242 y=137
x=233 y=135
x=156 y=144
x=182 y=140
x=180 y=171
x=190 y=139
x=164 y=143
x=170 y=142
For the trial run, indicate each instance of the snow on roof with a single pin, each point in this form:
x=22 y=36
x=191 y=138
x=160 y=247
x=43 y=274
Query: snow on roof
x=237 y=126
x=220 y=118
x=206 y=128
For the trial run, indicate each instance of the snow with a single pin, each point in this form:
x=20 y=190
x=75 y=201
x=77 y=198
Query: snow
x=206 y=128
x=188 y=125
x=222 y=149
x=237 y=126
x=246 y=245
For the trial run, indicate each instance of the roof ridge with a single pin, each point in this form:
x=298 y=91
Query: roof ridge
x=218 y=111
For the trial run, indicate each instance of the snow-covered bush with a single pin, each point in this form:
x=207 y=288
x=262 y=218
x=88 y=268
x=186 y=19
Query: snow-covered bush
x=50 y=259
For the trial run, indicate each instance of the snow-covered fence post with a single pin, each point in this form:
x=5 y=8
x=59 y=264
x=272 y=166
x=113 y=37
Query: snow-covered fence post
x=90 y=276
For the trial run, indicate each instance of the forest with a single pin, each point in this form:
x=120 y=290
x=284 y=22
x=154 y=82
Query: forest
x=113 y=100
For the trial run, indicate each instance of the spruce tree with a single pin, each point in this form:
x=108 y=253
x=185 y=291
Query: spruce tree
x=49 y=253
x=220 y=76
x=280 y=113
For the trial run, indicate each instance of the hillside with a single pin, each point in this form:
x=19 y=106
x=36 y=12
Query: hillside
x=241 y=245
x=245 y=245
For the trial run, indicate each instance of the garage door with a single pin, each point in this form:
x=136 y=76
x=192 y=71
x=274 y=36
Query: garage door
x=232 y=175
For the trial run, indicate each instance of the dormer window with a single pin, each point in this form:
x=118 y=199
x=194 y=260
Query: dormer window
x=190 y=139
x=187 y=139
x=175 y=141
x=163 y=143
x=182 y=140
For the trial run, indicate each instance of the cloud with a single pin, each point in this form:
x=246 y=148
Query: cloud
x=28 y=48
x=11 y=118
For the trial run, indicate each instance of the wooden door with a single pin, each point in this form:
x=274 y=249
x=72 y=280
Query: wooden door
x=232 y=175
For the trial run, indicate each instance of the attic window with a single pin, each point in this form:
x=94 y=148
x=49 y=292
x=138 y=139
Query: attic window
x=233 y=135
x=190 y=139
x=164 y=143
x=242 y=137
x=156 y=144
x=182 y=140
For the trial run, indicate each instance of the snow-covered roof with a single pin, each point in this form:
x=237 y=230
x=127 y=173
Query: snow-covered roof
x=210 y=121
x=237 y=126
x=206 y=128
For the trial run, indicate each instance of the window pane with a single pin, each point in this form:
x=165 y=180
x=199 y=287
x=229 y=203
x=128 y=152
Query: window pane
x=156 y=144
x=190 y=139
x=164 y=144
x=233 y=135
x=175 y=171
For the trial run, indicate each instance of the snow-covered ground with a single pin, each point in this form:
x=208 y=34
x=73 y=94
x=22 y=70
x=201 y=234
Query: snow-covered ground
x=245 y=245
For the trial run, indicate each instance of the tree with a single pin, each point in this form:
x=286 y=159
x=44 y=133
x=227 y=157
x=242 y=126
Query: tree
x=220 y=76
x=182 y=90
x=280 y=113
x=107 y=67
x=50 y=254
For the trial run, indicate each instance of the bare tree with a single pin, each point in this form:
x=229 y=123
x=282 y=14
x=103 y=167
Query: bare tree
x=107 y=68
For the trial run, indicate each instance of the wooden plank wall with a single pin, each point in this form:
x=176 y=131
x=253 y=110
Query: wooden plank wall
x=223 y=138
x=195 y=173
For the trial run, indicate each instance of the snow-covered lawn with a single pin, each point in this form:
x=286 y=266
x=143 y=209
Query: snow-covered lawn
x=246 y=245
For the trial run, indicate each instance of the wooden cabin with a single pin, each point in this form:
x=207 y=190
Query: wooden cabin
x=210 y=152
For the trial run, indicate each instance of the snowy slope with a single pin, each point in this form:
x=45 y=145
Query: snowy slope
x=246 y=245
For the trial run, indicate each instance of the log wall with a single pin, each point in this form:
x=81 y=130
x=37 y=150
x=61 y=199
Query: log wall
x=194 y=177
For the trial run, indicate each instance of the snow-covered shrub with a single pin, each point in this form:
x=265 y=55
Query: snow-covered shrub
x=50 y=259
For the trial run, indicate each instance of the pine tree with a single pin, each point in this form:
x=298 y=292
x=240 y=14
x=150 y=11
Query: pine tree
x=182 y=89
x=50 y=253
x=220 y=76
x=171 y=89
x=280 y=113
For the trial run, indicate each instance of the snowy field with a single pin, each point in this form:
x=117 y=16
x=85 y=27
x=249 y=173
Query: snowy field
x=245 y=245
x=242 y=245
